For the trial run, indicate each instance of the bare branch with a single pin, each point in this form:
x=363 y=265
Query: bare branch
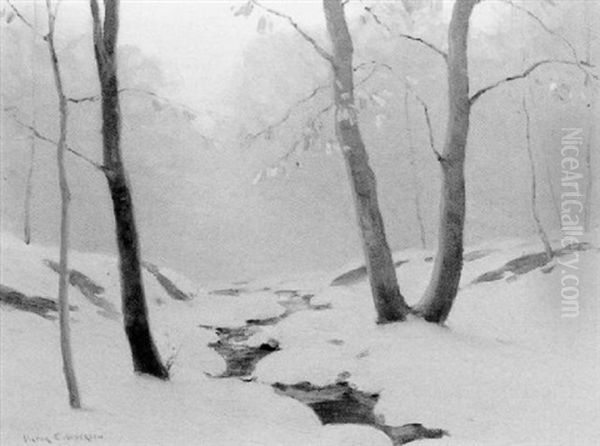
x=420 y=40
x=545 y=27
x=292 y=151
x=423 y=104
x=37 y=134
x=318 y=48
x=24 y=20
x=97 y=97
x=294 y=148
x=250 y=138
x=84 y=99
x=526 y=73
x=269 y=129
x=437 y=154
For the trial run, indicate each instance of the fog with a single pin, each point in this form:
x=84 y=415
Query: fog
x=196 y=203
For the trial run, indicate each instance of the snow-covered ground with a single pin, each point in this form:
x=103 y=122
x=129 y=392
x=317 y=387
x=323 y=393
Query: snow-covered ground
x=507 y=369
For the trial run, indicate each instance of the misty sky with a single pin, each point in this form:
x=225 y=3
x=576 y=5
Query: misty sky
x=204 y=217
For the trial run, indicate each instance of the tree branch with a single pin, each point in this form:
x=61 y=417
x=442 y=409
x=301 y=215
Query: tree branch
x=294 y=148
x=437 y=154
x=269 y=129
x=37 y=134
x=318 y=48
x=24 y=20
x=541 y=23
x=420 y=40
x=97 y=97
x=423 y=104
x=526 y=73
x=250 y=138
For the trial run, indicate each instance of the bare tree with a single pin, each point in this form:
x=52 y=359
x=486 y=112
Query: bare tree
x=145 y=356
x=439 y=296
x=436 y=303
x=65 y=197
x=389 y=302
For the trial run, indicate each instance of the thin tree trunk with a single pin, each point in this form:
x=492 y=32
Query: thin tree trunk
x=63 y=284
x=552 y=190
x=145 y=356
x=30 y=170
x=437 y=301
x=411 y=151
x=29 y=191
x=534 y=212
x=389 y=303
x=591 y=97
x=588 y=204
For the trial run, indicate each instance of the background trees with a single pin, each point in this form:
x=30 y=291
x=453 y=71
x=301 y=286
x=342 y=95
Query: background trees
x=261 y=88
x=438 y=298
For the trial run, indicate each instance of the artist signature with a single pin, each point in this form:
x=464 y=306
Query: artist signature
x=63 y=438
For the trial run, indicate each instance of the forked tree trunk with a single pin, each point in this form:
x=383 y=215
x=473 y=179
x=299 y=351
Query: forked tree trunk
x=389 y=303
x=146 y=358
x=65 y=197
x=437 y=301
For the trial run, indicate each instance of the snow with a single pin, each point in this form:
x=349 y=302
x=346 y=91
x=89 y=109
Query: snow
x=507 y=369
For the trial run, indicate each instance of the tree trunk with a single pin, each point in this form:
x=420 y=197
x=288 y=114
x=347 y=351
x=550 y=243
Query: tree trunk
x=413 y=167
x=590 y=89
x=145 y=356
x=65 y=196
x=389 y=303
x=437 y=301
x=534 y=212
x=29 y=191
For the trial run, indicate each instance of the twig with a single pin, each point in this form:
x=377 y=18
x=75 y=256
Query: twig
x=318 y=48
x=24 y=20
x=524 y=74
x=421 y=101
x=94 y=98
x=269 y=129
x=437 y=154
x=250 y=138
x=545 y=27
x=420 y=40
x=49 y=140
